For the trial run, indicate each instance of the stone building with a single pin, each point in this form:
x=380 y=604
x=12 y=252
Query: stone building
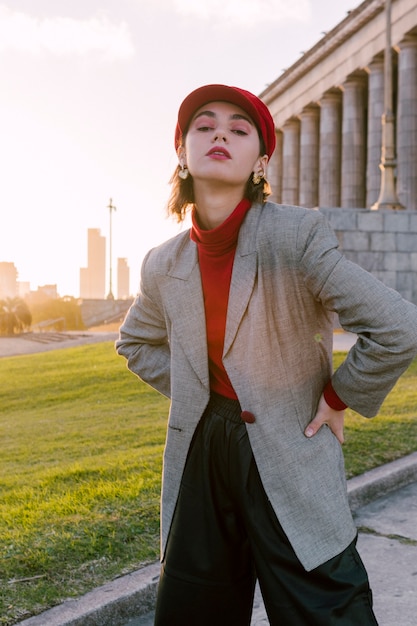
x=123 y=279
x=8 y=280
x=93 y=277
x=328 y=108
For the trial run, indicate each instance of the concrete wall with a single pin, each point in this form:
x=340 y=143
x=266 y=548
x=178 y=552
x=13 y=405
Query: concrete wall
x=97 y=312
x=382 y=242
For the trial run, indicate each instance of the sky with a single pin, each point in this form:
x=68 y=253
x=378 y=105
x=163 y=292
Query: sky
x=90 y=91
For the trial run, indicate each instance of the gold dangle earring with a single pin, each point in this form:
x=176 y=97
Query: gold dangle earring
x=257 y=177
x=183 y=173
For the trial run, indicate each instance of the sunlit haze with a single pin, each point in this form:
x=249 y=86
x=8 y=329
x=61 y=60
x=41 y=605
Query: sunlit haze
x=90 y=92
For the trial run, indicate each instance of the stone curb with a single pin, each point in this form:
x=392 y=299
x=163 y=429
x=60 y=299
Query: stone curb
x=109 y=605
x=381 y=480
x=134 y=594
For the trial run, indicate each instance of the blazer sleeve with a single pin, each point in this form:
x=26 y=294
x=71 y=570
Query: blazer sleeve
x=385 y=323
x=143 y=337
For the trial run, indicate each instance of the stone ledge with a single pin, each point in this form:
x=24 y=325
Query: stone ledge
x=109 y=605
x=381 y=480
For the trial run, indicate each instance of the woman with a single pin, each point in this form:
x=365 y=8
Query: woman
x=234 y=323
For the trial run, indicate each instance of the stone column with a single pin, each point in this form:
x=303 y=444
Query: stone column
x=330 y=148
x=354 y=141
x=309 y=156
x=407 y=123
x=375 y=112
x=291 y=161
x=274 y=171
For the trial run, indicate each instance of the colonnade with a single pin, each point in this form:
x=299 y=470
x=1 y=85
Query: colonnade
x=328 y=154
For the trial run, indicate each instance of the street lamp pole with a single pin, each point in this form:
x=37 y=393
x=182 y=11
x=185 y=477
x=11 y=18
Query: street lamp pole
x=111 y=208
x=387 y=196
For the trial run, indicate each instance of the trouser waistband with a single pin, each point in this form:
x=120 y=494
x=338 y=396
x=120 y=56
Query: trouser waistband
x=225 y=407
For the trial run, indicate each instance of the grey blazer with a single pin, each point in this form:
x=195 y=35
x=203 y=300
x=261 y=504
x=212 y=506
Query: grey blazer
x=288 y=281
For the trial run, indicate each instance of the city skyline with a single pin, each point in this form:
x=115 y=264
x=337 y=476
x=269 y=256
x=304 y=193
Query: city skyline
x=94 y=279
x=90 y=107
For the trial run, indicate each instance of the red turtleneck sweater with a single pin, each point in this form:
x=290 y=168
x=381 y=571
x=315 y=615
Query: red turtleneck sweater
x=216 y=253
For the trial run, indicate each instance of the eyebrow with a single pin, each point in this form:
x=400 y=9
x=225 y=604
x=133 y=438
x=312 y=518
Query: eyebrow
x=235 y=116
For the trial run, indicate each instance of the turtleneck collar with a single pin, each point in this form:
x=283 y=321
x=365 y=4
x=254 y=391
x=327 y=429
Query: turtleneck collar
x=223 y=238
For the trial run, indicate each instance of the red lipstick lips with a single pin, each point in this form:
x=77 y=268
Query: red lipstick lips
x=220 y=153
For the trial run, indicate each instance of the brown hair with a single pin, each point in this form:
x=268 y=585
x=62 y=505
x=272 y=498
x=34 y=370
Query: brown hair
x=181 y=198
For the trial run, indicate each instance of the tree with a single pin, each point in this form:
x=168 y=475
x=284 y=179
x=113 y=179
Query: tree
x=66 y=310
x=14 y=316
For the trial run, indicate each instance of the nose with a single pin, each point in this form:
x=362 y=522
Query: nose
x=219 y=135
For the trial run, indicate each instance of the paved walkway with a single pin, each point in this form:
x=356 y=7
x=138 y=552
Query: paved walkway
x=31 y=343
x=388 y=546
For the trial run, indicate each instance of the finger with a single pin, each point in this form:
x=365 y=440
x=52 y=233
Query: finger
x=313 y=427
x=339 y=434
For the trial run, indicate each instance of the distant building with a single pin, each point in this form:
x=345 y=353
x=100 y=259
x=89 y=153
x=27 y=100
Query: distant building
x=123 y=279
x=23 y=288
x=93 y=277
x=50 y=291
x=327 y=109
x=8 y=280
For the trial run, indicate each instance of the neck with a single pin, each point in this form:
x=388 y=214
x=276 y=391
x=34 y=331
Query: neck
x=215 y=206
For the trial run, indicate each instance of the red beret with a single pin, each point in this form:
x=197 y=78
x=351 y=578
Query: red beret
x=247 y=101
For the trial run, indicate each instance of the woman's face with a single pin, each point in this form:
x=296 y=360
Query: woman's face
x=222 y=145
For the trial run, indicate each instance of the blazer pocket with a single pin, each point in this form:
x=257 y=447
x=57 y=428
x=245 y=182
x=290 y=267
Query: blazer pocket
x=176 y=428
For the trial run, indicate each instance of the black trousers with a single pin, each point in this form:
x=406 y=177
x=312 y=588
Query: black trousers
x=225 y=535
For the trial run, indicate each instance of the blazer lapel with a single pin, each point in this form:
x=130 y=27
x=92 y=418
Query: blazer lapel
x=185 y=303
x=185 y=300
x=243 y=275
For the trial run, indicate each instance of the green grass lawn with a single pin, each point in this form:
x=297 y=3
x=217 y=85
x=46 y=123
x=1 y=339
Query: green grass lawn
x=80 y=470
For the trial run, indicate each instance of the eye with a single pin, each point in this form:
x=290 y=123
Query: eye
x=240 y=127
x=203 y=123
